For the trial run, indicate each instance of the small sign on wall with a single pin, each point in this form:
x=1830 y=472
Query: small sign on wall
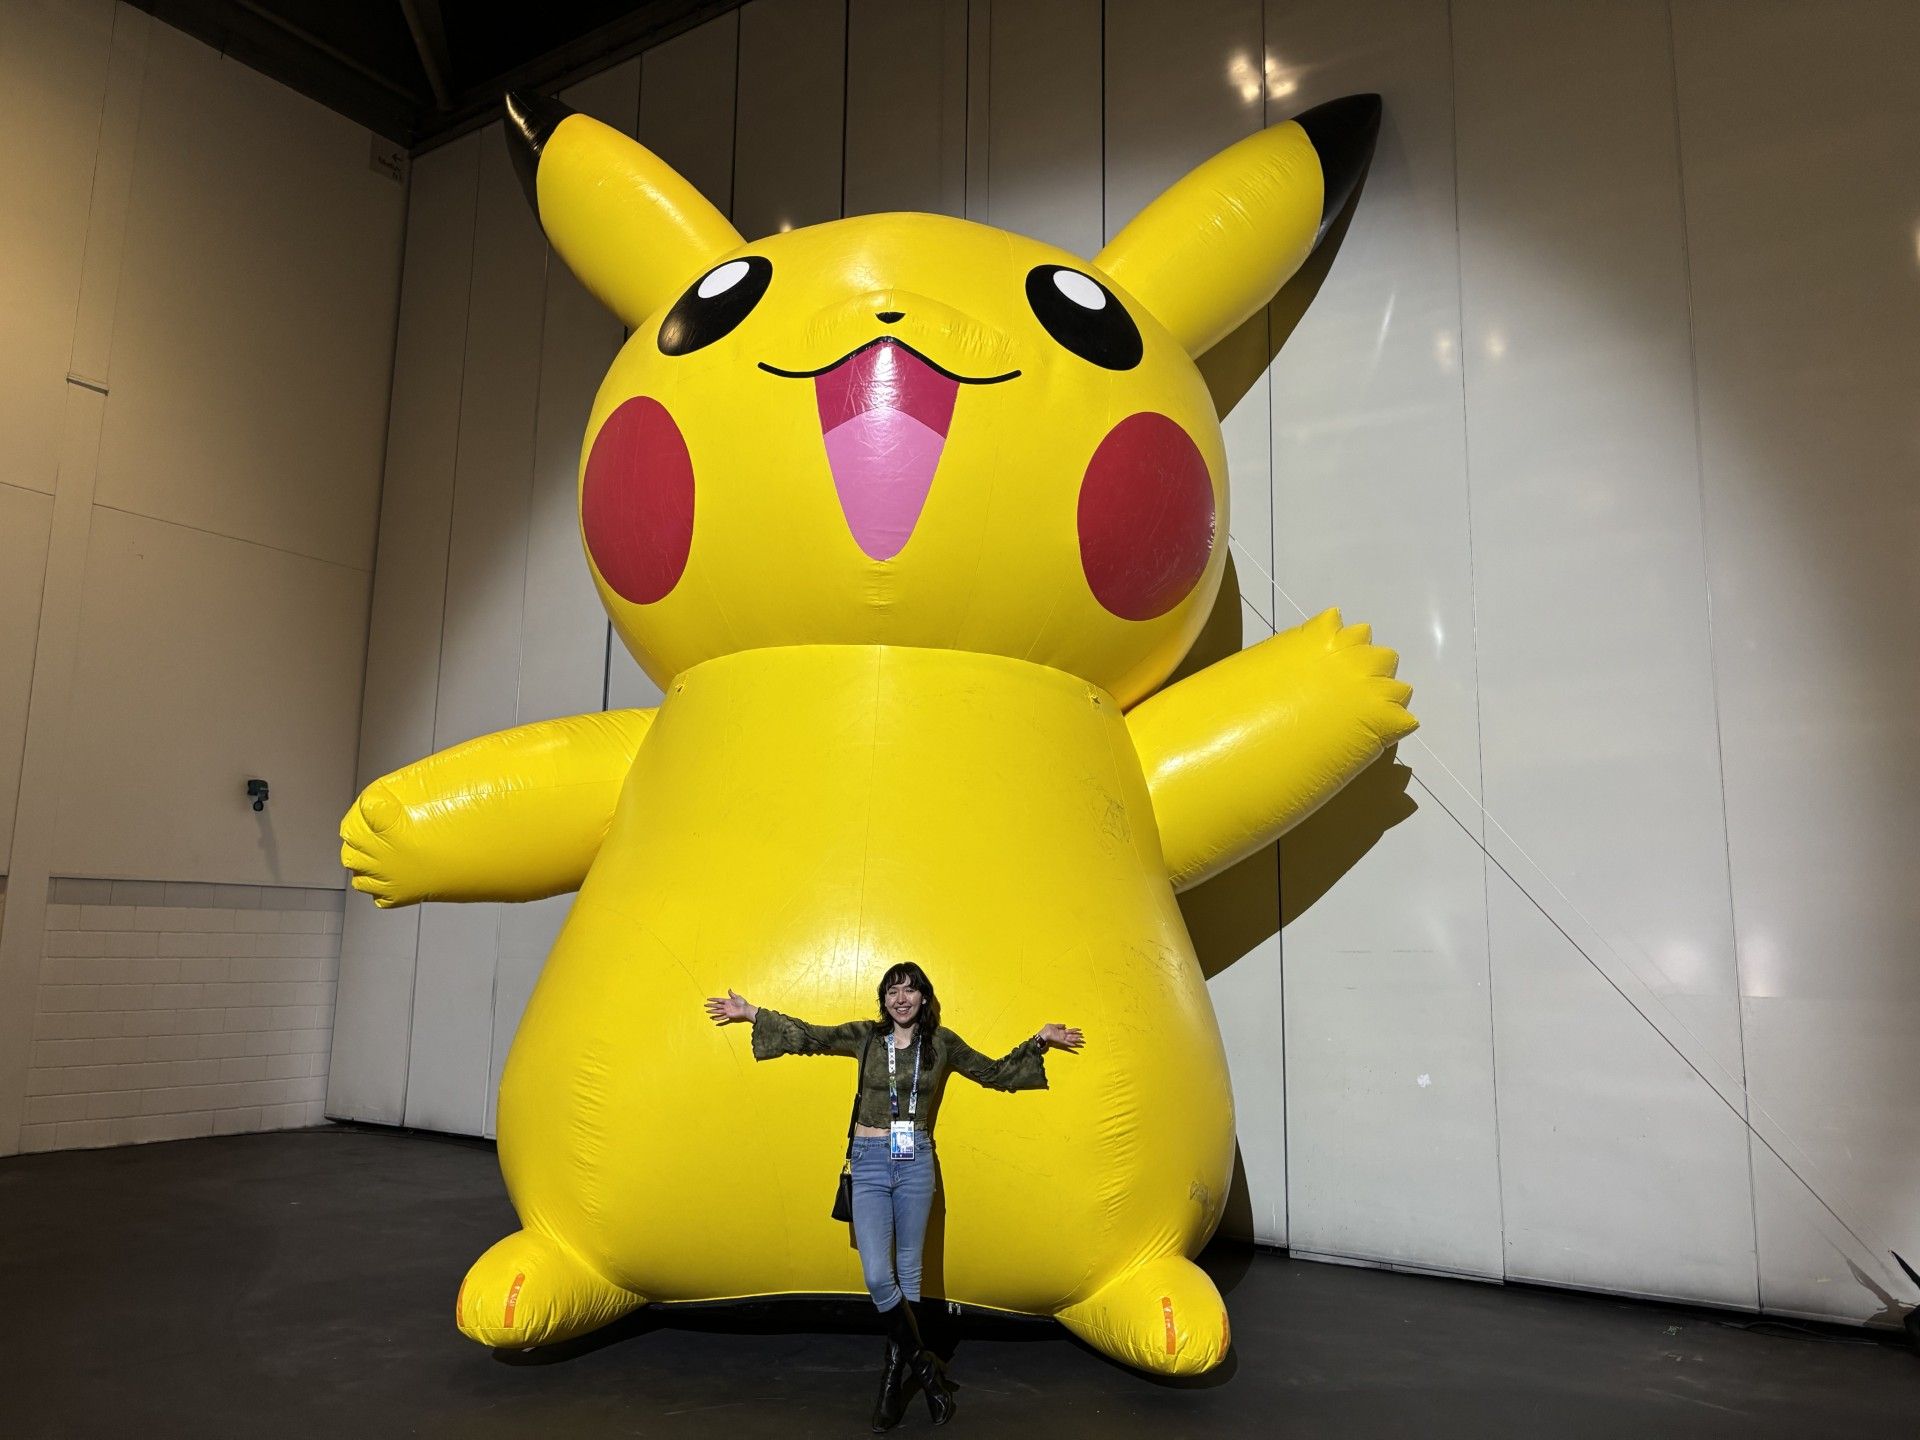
x=387 y=158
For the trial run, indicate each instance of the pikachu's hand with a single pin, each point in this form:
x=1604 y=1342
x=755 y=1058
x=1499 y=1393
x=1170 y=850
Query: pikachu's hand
x=1239 y=753
x=1354 y=683
x=379 y=850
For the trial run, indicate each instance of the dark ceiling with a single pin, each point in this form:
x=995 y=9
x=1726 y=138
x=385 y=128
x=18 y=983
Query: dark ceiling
x=423 y=71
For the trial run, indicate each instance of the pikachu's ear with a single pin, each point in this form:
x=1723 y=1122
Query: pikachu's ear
x=1218 y=244
x=624 y=221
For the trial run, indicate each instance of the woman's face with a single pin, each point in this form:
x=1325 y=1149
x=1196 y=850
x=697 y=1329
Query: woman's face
x=903 y=1002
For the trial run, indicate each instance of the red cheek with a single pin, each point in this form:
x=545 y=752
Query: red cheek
x=1146 y=517
x=636 y=504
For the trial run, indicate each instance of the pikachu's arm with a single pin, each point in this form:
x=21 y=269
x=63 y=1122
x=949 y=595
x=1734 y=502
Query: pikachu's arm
x=513 y=816
x=1246 y=749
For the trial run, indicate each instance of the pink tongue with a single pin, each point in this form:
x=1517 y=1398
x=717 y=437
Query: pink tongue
x=884 y=413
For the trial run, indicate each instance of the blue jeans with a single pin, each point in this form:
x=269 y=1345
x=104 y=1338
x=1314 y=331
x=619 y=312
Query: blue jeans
x=891 y=1201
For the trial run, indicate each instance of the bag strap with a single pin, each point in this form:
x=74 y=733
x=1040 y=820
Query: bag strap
x=859 y=1084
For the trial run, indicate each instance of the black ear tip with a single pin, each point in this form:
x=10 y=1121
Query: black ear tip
x=1911 y=1275
x=531 y=120
x=1343 y=132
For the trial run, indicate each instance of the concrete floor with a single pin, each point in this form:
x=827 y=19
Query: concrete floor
x=301 y=1284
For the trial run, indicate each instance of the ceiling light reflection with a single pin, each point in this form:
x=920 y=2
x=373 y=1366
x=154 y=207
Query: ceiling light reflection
x=1243 y=77
x=1280 y=84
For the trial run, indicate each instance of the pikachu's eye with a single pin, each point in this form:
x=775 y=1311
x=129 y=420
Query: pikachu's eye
x=718 y=301
x=1083 y=315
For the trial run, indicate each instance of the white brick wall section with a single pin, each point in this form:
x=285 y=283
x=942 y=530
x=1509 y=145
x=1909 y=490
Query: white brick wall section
x=167 y=1011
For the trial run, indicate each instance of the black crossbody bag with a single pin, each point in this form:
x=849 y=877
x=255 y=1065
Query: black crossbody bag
x=843 y=1197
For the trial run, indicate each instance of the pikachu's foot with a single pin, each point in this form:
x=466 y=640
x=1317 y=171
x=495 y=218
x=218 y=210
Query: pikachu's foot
x=530 y=1290
x=1164 y=1317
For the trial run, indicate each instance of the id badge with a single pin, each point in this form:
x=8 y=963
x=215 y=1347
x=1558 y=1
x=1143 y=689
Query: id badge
x=900 y=1140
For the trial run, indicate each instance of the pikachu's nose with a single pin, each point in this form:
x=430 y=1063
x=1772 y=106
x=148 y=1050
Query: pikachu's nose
x=889 y=317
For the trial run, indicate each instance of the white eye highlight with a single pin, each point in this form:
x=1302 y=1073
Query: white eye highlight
x=722 y=279
x=1079 y=289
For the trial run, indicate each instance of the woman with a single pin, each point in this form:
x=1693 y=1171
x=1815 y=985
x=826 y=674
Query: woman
x=907 y=1055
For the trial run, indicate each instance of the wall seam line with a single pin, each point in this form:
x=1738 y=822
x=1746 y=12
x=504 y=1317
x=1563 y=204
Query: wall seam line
x=446 y=583
x=1473 y=591
x=1713 y=667
x=1285 y=1199
x=846 y=95
x=1104 y=235
x=380 y=499
x=733 y=140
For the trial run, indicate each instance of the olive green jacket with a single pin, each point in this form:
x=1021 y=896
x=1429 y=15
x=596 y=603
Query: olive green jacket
x=1022 y=1068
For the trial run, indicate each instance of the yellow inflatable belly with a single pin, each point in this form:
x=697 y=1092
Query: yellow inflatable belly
x=798 y=819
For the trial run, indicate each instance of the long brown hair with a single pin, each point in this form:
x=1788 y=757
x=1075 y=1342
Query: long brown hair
x=929 y=1018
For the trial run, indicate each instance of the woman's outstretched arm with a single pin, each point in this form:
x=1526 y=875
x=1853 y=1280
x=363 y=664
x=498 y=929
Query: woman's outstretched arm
x=777 y=1034
x=1021 y=1068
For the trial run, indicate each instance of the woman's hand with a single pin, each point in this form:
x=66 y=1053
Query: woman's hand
x=1058 y=1037
x=734 y=1007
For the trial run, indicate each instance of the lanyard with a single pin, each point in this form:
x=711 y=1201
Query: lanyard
x=893 y=1094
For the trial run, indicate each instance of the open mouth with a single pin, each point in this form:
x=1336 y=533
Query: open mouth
x=884 y=414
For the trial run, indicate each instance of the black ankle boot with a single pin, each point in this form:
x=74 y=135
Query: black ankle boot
x=936 y=1329
x=927 y=1366
x=892 y=1403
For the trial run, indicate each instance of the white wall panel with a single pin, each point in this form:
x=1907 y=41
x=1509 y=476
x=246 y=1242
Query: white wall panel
x=1044 y=175
x=789 y=139
x=906 y=107
x=1621 y=1168
x=53 y=80
x=181 y=692
x=1800 y=137
x=253 y=337
x=687 y=104
x=372 y=1031
x=1391 y=1152
x=1836 y=1158
x=450 y=1062
x=26 y=521
x=1595 y=670
x=81 y=407
x=1181 y=84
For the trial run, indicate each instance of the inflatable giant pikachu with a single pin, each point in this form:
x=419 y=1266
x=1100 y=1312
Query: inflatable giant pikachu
x=909 y=518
